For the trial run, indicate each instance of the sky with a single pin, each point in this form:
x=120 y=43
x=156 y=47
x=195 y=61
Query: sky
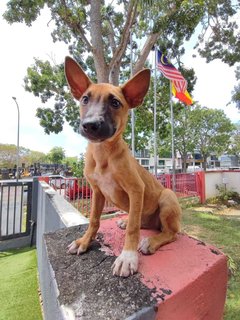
x=20 y=44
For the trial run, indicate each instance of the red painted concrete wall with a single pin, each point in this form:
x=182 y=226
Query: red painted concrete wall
x=189 y=277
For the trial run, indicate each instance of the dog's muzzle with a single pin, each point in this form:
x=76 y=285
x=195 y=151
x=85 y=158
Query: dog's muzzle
x=97 y=130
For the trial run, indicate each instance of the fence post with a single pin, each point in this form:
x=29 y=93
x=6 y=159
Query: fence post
x=201 y=185
x=34 y=210
x=168 y=181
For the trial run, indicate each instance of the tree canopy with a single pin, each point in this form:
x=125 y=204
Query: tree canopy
x=201 y=129
x=56 y=155
x=212 y=130
x=236 y=92
x=8 y=156
x=98 y=35
x=235 y=141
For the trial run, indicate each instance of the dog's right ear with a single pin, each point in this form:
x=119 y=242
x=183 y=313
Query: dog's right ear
x=77 y=79
x=136 y=88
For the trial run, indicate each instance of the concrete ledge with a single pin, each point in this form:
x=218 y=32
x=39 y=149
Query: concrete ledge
x=56 y=211
x=53 y=213
x=186 y=279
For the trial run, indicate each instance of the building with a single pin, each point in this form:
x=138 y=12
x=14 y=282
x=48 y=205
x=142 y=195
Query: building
x=213 y=162
x=164 y=165
x=229 y=161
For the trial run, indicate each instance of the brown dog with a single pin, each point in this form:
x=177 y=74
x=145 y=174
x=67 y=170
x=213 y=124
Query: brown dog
x=114 y=174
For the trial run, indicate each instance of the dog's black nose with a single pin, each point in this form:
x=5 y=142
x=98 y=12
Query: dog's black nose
x=92 y=127
x=97 y=129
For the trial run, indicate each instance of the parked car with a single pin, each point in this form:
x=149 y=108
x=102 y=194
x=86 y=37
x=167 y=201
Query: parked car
x=57 y=181
x=77 y=188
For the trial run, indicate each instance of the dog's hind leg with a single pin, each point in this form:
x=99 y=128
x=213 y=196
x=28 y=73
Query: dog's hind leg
x=170 y=215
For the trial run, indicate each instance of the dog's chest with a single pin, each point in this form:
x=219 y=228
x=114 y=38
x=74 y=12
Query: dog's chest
x=106 y=183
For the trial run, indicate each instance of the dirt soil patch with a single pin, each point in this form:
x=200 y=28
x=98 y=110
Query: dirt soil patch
x=228 y=212
x=87 y=285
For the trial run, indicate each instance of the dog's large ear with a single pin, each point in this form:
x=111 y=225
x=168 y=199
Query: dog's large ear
x=136 y=88
x=77 y=79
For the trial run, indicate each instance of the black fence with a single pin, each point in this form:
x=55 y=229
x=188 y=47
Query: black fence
x=15 y=209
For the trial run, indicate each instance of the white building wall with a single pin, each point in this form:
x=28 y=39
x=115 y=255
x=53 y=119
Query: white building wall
x=213 y=178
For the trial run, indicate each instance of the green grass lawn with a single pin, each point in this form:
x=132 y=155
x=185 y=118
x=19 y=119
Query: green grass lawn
x=224 y=233
x=19 y=286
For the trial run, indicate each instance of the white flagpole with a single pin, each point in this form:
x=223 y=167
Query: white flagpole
x=132 y=110
x=172 y=131
x=155 y=114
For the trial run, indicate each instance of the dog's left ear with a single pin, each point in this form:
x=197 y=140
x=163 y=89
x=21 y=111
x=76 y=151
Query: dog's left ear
x=77 y=79
x=136 y=88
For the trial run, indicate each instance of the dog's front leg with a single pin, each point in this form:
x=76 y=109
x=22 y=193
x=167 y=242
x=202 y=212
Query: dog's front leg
x=127 y=263
x=81 y=245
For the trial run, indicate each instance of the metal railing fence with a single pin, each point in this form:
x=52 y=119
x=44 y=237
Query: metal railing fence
x=78 y=191
x=15 y=209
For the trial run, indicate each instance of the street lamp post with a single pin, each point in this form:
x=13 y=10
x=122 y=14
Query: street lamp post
x=17 y=173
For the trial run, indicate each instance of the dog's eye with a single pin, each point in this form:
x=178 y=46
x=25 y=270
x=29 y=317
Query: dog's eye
x=85 y=100
x=115 y=103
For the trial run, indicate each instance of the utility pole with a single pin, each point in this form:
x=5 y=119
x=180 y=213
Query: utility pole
x=132 y=110
x=172 y=133
x=17 y=172
x=155 y=113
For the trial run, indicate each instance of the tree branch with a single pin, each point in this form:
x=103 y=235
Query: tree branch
x=130 y=19
x=111 y=36
x=151 y=40
x=75 y=27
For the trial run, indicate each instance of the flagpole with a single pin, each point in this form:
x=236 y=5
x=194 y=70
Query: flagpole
x=172 y=131
x=179 y=84
x=155 y=114
x=132 y=110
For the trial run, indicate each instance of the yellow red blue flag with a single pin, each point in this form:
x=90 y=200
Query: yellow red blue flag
x=179 y=83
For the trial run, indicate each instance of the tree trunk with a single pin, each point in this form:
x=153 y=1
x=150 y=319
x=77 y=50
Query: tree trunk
x=97 y=42
x=114 y=75
x=114 y=67
x=184 y=163
x=204 y=162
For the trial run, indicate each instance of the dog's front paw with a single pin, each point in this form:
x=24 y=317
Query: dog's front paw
x=76 y=247
x=122 y=223
x=145 y=247
x=126 y=264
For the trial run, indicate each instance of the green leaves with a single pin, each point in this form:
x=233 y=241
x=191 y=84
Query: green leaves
x=78 y=167
x=207 y=130
x=221 y=24
x=236 y=92
x=49 y=84
x=8 y=156
x=51 y=121
x=56 y=155
x=201 y=129
x=23 y=11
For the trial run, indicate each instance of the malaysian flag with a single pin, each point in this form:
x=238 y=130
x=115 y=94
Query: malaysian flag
x=171 y=73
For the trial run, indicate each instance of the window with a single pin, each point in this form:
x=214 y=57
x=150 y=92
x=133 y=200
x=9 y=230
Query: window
x=144 y=162
x=142 y=153
x=161 y=162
